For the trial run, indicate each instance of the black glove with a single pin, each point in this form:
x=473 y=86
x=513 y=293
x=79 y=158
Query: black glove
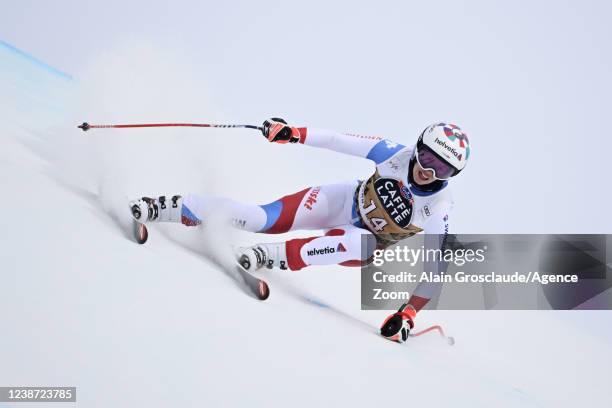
x=397 y=326
x=276 y=130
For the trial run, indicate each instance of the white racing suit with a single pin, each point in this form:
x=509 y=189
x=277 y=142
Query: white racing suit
x=347 y=212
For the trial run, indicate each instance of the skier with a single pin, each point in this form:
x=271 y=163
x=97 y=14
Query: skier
x=407 y=194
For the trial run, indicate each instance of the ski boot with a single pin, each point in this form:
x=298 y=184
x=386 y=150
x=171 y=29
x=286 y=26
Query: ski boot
x=160 y=209
x=262 y=255
x=252 y=258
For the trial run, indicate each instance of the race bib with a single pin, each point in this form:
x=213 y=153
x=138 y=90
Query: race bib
x=386 y=207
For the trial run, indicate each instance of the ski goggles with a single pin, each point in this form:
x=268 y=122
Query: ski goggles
x=429 y=160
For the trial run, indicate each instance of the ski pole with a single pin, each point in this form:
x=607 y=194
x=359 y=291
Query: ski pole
x=86 y=126
x=450 y=340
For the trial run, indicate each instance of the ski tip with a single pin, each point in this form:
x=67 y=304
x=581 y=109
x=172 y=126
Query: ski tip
x=141 y=234
x=258 y=287
x=264 y=290
x=85 y=126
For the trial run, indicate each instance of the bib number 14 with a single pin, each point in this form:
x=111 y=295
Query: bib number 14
x=377 y=222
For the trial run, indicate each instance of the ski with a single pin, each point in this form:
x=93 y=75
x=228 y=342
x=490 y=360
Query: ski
x=141 y=233
x=139 y=230
x=258 y=287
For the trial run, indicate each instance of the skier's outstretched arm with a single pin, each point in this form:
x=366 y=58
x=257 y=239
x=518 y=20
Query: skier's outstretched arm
x=436 y=233
x=374 y=148
x=397 y=326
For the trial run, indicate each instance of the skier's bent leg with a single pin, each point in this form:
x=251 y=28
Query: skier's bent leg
x=318 y=207
x=193 y=209
x=346 y=245
x=311 y=208
x=248 y=217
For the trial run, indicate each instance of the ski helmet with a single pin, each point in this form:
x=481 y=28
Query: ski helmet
x=444 y=149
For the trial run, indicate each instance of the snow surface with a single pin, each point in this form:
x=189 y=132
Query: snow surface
x=160 y=325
